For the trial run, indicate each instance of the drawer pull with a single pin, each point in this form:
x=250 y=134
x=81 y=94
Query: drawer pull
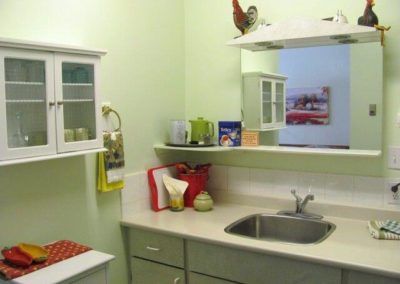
x=153 y=249
x=177 y=280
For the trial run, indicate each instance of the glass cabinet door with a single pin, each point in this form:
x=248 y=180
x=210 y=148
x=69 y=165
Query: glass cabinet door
x=27 y=113
x=280 y=104
x=77 y=105
x=266 y=90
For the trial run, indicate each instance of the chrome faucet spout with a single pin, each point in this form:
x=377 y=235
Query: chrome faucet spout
x=300 y=206
x=303 y=204
x=300 y=202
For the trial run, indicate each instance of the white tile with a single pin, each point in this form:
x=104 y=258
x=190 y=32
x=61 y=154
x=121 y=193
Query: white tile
x=368 y=191
x=218 y=178
x=136 y=206
x=239 y=180
x=136 y=187
x=311 y=181
x=283 y=182
x=261 y=182
x=339 y=188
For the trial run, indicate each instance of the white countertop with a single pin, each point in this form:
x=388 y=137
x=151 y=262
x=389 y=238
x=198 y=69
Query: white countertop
x=349 y=246
x=64 y=270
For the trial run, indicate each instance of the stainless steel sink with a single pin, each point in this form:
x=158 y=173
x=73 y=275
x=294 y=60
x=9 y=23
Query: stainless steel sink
x=279 y=228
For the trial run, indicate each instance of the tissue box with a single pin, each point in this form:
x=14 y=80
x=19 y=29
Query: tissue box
x=229 y=133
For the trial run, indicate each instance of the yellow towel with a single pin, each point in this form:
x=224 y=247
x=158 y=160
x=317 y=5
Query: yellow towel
x=102 y=184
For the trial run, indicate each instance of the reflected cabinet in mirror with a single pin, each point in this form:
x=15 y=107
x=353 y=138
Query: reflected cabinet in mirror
x=333 y=95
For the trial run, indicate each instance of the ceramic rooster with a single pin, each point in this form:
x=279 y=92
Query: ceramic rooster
x=369 y=18
x=244 y=21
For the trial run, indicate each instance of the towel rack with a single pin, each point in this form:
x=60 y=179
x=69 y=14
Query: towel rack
x=106 y=110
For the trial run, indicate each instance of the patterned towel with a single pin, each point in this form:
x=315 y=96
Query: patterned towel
x=114 y=157
x=377 y=231
x=58 y=251
x=392 y=226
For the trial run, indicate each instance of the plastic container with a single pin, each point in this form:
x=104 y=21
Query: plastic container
x=197 y=184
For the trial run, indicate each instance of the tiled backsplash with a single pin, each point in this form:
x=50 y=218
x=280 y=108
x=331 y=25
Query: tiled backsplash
x=327 y=188
x=135 y=197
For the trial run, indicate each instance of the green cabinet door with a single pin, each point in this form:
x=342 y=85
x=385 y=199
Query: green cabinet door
x=195 y=278
x=355 y=277
x=256 y=268
x=148 y=272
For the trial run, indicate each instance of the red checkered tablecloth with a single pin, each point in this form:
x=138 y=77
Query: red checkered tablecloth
x=58 y=251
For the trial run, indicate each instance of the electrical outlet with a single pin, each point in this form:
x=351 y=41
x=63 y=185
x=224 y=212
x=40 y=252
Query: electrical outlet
x=392 y=192
x=394 y=157
x=106 y=104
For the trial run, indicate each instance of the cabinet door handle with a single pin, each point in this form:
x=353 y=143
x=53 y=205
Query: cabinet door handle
x=177 y=280
x=60 y=103
x=52 y=104
x=152 y=248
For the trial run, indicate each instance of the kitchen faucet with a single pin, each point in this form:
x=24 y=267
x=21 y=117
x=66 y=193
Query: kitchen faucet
x=300 y=202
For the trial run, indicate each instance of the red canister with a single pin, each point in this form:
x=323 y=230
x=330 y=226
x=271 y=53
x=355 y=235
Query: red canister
x=197 y=183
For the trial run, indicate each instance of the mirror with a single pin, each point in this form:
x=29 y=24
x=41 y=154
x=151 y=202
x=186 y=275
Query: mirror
x=351 y=101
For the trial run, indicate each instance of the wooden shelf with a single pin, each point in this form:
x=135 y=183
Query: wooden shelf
x=50 y=157
x=279 y=150
x=194 y=149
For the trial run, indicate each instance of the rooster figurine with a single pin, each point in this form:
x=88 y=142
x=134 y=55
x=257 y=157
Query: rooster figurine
x=369 y=18
x=244 y=21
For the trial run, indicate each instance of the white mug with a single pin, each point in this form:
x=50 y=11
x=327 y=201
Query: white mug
x=177 y=132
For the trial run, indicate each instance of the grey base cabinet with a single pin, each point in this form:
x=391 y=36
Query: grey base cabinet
x=195 y=278
x=148 y=272
x=159 y=258
x=156 y=258
x=355 y=277
x=249 y=267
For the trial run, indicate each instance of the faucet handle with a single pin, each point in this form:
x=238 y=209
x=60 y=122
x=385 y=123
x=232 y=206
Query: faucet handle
x=294 y=193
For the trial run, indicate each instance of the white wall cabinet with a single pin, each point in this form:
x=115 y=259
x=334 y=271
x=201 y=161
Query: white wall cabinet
x=49 y=102
x=264 y=101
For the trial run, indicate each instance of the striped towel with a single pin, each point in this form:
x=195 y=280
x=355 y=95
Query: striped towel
x=378 y=231
x=392 y=226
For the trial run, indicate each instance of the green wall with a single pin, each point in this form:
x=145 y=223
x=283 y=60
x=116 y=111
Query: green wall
x=158 y=52
x=142 y=76
x=213 y=76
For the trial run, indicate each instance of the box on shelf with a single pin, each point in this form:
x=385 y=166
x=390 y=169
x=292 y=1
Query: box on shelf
x=229 y=133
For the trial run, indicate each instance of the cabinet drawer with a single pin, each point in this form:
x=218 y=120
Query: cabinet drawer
x=157 y=247
x=148 y=272
x=195 y=278
x=249 y=267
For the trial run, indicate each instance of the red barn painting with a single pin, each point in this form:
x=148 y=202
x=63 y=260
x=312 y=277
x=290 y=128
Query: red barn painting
x=307 y=106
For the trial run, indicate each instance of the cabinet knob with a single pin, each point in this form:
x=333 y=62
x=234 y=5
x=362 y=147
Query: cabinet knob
x=52 y=104
x=177 y=280
x=60 y=103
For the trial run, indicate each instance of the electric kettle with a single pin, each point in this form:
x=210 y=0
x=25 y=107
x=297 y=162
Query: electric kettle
x=201 y=129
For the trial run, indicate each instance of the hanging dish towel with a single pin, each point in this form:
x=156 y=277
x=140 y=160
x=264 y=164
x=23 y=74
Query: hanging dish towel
x=111 y=163
x=378 y=230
